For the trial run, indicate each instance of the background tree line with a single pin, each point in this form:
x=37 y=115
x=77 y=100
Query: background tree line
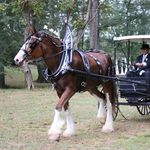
x=96 y=22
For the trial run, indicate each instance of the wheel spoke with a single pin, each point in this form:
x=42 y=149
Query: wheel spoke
x=144 y=109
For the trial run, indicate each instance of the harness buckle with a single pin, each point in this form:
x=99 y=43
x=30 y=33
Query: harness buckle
x=83 y=84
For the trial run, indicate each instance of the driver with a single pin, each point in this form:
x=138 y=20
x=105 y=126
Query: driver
x=143 y=61
x=142 y=64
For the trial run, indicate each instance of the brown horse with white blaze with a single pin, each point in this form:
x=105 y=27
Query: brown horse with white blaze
x=67 y=83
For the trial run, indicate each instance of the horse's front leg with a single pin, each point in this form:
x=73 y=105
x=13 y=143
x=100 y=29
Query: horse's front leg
x=55 y=130
x=58 y=122
x=70 y=129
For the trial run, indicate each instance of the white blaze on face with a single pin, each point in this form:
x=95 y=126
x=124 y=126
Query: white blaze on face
x=21 y=54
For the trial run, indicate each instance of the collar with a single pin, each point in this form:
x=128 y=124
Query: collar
x=145 y=55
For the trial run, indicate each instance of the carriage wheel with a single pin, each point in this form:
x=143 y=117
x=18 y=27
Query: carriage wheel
x=144 y=109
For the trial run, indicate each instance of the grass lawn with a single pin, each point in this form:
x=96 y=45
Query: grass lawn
x=25 y=117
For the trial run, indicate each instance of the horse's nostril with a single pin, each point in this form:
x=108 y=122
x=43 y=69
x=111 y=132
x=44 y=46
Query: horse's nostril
x=17 y=60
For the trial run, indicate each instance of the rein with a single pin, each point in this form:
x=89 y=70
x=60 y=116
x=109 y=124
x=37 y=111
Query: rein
x=39 y=60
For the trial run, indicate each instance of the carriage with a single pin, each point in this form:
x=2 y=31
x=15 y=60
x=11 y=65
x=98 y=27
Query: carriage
x=134 y=89
x=73 y=71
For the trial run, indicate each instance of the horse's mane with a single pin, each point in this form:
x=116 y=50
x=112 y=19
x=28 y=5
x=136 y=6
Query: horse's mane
x=54 y=39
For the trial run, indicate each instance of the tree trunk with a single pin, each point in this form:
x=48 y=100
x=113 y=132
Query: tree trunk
x=25 y=66
x=94 y=25
x=2 y=76
x=28 y=75
x=40 y=68
x=80 y=32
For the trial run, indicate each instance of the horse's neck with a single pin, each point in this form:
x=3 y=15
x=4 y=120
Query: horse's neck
x=53 y=60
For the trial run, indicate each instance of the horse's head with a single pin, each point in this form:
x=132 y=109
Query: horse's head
x=31 y=49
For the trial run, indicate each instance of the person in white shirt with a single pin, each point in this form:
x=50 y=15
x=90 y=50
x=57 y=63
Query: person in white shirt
x=142 y=64
x=143 y=61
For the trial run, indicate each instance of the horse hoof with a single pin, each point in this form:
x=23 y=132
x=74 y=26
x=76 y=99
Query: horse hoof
x=102 y=120
x=68 y=134
x=107 y=129
x=55 y=137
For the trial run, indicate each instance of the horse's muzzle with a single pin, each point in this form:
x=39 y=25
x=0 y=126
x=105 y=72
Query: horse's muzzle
x=18 y=62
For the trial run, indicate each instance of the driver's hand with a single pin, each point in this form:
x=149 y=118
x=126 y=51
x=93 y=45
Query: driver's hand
x=139 y=64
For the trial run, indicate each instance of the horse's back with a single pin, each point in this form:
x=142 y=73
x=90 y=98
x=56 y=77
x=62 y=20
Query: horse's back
x=102 y=57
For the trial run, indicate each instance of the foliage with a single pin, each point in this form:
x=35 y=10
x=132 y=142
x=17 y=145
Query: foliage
x=10 y=31
x=35 y=6
x=66 y=5
x=79 y=23
x=116 y=18
x=124 y=17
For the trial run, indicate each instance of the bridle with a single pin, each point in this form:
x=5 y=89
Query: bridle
x=36 y=43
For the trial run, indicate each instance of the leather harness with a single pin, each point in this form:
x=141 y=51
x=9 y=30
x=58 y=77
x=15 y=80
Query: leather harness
x=54 y=77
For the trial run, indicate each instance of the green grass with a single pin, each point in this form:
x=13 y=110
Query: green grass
x=25 y=117
x=15 y=77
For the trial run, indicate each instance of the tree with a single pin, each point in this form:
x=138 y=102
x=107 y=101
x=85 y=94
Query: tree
x=123 y=17
x=10 y=37
x=2 y=76
x=114 y=17
x=93 y=25
x=31 y=10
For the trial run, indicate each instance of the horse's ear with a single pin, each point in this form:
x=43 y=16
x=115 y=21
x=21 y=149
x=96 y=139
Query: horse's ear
x=34 y=29
x=31 y=29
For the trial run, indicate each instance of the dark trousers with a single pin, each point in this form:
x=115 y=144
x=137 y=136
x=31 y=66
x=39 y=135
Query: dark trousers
x=133 y=73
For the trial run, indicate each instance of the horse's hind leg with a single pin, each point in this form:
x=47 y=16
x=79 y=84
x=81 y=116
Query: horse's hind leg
x=101 y=114
x=108 y=90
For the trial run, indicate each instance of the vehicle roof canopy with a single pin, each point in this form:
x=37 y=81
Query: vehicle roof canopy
x=133 y=38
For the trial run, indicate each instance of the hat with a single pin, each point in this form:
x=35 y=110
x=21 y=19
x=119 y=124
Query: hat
x=145 y=46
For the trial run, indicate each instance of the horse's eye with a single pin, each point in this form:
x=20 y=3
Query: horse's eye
x=30 y=43
x=33 y=45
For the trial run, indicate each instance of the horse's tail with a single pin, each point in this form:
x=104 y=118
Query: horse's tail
x=114 y=93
